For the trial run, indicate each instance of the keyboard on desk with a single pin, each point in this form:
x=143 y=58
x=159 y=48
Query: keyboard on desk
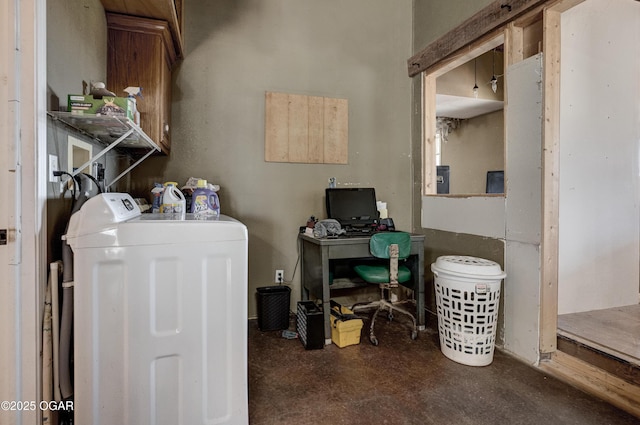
x=355 y=233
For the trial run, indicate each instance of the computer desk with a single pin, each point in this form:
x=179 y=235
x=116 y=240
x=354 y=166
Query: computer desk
x=317 y=253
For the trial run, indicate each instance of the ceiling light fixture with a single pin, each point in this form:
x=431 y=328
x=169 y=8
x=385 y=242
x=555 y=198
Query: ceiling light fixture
x=475 y=76
x=494 y=80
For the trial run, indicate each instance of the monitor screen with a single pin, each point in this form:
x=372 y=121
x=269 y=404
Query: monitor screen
x=495 y=181
x=352 y=206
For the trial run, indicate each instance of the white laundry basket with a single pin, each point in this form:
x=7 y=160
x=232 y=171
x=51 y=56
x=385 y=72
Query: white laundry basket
x=467 y=298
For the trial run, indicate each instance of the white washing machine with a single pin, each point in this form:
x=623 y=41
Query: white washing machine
x=160 y=316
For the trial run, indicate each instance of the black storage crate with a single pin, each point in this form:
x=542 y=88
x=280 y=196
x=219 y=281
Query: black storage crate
x=310 y=325
x=273 y=308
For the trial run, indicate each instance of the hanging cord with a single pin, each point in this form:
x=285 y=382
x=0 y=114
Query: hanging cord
x=94 y=180
x=73 y=188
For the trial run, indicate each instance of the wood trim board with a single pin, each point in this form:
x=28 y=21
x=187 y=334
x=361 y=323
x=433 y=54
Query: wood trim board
x=550 y=183
x=593 y=380
x=495 y=15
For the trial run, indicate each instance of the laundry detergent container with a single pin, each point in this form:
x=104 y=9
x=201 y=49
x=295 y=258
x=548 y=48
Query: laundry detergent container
x=467 y=299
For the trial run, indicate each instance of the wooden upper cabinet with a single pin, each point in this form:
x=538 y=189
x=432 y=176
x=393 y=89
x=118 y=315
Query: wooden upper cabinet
x=140 y=54
x=170 y=11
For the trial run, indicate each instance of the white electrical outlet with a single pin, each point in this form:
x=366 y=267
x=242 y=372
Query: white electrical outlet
x=53 y=166
x=279 y=278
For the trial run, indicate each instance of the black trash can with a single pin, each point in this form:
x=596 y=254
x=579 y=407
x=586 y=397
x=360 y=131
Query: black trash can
x=273 y=308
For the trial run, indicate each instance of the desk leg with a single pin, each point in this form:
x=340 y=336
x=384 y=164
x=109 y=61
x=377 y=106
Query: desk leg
x=304 y=291
x=420 y=294
x=314 y=279
x=326 y=295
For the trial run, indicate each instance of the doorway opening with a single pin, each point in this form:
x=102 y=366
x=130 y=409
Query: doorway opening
x=599 y=213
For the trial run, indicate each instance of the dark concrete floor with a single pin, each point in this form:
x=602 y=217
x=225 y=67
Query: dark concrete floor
x=405 y=382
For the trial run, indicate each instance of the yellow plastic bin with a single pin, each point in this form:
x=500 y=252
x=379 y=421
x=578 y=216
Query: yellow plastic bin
x=467 y=299
x=345 y=329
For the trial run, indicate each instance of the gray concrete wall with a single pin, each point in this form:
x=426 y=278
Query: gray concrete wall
x=237 y=50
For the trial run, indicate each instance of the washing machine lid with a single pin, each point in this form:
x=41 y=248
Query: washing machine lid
x=107 y=221
x=169 y=229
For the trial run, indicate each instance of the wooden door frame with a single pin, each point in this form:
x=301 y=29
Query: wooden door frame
x=23 y=185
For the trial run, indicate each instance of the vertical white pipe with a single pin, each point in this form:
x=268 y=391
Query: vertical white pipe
x=47 y=352
x=55 y=326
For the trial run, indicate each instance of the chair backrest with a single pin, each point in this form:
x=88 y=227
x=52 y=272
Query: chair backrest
x=380 y=242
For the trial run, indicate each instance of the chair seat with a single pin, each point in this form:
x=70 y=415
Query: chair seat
x=378 y=273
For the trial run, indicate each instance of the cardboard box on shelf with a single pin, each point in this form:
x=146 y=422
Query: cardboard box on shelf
x=108 y=105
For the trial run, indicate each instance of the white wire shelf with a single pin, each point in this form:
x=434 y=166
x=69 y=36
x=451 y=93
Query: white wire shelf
x=118 y=132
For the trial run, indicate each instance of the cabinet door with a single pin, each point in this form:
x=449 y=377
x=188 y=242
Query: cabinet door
x=170 y=11
x=140 y=53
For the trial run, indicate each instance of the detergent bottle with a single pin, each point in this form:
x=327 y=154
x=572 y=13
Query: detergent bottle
x=173 y=201
x=204 y=201
x=133 y=92
x=156 y=193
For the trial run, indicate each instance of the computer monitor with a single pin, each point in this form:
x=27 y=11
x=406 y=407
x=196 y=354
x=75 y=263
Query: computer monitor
x=495 y=181
x=353 y=207
x=442 y=181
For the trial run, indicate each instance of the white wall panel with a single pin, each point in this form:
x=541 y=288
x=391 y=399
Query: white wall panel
x=524 y=151
x=522 y=300
x=478 y=215
x=523 y=209
x=600 y=132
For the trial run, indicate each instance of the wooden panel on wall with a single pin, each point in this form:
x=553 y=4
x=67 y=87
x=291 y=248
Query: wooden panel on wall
x=306 y=129
x=298 y=128
x=276 y=134
x=336 y=130
x=316 y=130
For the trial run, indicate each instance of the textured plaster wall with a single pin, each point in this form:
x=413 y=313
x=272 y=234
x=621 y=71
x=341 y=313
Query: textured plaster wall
x=237 y=50
x=76 y=47
x=76 y=53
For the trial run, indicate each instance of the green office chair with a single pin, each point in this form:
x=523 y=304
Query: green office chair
x=394 y=246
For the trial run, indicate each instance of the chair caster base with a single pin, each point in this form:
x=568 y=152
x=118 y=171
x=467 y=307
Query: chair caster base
x=414 y=335
x=373 y=340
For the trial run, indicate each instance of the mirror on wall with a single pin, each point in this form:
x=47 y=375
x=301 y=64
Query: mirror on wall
x=469 y=138
x=78 y=153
